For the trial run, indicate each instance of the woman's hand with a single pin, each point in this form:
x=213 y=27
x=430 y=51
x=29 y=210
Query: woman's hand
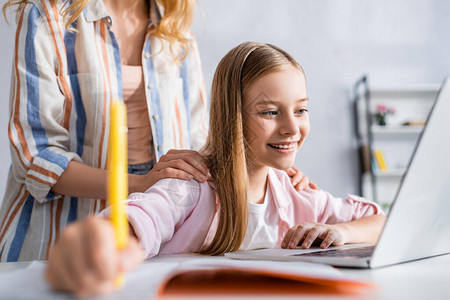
x=180 y=164
x=305 y=234
x=298 y=180
x=85 y=261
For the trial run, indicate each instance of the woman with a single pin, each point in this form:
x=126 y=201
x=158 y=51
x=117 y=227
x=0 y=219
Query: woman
x=71 y=59
x=68 y=66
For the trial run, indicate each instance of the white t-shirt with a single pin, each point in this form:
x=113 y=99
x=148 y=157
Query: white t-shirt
x=262 y=229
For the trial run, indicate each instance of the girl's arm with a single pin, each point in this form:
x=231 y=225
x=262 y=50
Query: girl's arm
x=364 y=230
x=85 y=260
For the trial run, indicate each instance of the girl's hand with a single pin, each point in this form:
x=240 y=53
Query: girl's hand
x=180 y=164
x=305 y=234
x=298 y=180
x=85 y=261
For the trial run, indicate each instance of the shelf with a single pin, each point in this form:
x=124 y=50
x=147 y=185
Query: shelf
x=395 y=142
x=392 y=173
x=404 y=90
x=397 y=130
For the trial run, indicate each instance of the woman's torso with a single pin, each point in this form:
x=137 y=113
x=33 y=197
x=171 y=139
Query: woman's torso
x=87 y=75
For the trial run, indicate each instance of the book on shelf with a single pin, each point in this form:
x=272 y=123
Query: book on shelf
x=379 y=159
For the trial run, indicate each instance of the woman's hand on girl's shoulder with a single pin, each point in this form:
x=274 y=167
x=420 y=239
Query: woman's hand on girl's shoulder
x=305 y=234
x=180 y=164
x=85 y=261
x=299 y=180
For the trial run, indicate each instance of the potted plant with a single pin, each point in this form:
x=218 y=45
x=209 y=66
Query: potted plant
x=381 y=113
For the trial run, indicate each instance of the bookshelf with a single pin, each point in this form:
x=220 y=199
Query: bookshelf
x=386 y=142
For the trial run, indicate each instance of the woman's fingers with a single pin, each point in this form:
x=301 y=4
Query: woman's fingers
x=170 y=173
x=180 y=168
x=296 y=176
x=291 y=171
x=299 y=180
x=186 y=162
x=302 y=184
x=313 y=186
x=192 y=157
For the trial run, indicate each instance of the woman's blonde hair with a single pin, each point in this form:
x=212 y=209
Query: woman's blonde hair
x=173 y=27
x=226 y=145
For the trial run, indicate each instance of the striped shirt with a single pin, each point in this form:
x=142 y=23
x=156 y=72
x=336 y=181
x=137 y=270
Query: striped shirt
x=62 y=86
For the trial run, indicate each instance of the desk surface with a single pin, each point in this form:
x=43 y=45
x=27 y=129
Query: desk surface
x=422 y=279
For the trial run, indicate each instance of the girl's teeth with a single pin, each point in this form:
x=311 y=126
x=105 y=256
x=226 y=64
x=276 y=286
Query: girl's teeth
x=284 y=146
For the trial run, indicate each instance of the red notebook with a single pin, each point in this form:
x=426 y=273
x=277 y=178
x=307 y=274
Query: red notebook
x=226 y=277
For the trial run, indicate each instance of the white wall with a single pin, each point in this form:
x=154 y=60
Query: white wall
x=395 y=42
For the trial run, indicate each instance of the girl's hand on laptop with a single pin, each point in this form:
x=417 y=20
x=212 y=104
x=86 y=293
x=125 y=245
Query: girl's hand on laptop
x=85 y=261
x=299 y=180
x=305 y=234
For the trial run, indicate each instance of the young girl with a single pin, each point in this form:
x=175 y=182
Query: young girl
x=258 y=122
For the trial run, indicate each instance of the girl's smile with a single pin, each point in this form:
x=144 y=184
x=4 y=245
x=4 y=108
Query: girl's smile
x=284 y=148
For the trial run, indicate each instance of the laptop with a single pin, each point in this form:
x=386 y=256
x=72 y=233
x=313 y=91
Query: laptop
x=418 y=224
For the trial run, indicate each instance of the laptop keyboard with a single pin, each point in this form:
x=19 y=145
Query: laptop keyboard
x=348 y=252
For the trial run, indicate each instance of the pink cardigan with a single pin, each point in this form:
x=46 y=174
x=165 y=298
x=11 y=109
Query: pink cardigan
x=176 y=216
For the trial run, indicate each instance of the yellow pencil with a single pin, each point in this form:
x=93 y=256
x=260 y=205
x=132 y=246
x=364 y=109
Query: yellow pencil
x=118 y=176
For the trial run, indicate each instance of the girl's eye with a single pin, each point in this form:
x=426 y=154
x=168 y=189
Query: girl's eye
x=270 y=113
x=302 y=111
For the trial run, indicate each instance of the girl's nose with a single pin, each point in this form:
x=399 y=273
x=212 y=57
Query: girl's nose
x=289 y=125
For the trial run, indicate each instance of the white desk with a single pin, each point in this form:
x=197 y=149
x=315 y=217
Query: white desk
x=422 y=279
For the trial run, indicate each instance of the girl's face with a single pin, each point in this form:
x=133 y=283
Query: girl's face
x=276 y=119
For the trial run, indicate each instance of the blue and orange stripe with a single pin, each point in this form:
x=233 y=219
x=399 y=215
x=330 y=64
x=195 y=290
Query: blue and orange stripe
x=68 y=96
x=13 y=214
x=80 y=126
x=21 y=229
x=16 y=198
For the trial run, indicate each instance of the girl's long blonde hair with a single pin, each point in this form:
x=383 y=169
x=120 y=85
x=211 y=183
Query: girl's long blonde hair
x=173 y=27
x=226 y=145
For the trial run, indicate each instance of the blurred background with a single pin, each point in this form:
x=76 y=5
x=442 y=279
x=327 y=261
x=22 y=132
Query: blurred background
x=396 y=43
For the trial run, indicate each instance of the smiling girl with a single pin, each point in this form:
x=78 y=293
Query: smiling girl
x=258 y=122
